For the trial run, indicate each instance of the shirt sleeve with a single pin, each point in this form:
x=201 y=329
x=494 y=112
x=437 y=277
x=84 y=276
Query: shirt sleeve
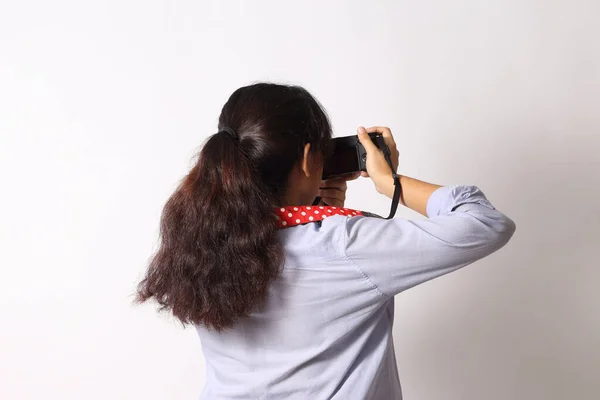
x=398 y=254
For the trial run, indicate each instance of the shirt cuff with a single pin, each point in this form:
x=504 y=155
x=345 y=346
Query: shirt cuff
x=448 y=198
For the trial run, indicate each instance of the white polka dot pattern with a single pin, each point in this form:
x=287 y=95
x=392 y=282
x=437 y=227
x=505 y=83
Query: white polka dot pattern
x=299 y=215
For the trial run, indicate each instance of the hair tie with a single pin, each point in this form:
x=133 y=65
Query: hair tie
x=231 y=133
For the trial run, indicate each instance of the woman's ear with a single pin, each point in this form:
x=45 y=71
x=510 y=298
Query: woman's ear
x=307 y=161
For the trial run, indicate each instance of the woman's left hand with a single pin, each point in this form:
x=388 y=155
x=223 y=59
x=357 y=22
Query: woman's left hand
x=333 y=191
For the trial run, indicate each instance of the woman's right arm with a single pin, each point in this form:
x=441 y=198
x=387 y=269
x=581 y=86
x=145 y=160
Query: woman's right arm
x=397 y=254
x=394 y=255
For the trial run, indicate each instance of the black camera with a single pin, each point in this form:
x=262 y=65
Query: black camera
x=349 y=155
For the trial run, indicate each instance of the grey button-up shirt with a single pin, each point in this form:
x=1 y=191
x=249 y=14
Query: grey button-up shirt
x=325 y=331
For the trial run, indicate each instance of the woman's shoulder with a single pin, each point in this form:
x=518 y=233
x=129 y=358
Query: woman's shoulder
x=316 y=233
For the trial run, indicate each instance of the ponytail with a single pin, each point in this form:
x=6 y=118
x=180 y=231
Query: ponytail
x=219 y=250
x=219 y=247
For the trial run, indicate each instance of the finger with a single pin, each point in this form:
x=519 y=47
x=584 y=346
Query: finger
x=352 y=176
x=337 y=189
x=366 y=141
x=364 y=174
x=330 y=188
x=386 y=133
x=332 y=202
x=384 y=130
x=332 y=194
x=343 y=178
x=338 y=183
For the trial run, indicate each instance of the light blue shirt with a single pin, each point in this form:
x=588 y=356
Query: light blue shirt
x=325 y=330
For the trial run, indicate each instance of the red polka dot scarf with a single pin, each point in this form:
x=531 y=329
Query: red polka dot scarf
x=299 y=215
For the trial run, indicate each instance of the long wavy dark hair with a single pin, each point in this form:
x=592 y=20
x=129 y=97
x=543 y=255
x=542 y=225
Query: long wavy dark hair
x=219 y=249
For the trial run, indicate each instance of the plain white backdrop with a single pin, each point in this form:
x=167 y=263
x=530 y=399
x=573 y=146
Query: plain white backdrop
x=104 y=104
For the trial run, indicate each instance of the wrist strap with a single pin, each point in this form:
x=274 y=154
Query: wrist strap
x=397 y=186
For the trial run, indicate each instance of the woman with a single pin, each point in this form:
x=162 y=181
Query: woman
x=293 y=301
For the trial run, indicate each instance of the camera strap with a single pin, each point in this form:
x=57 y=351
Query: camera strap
x=395 y=176
x=299 y=215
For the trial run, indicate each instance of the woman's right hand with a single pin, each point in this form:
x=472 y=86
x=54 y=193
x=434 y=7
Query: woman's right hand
x=377 y=167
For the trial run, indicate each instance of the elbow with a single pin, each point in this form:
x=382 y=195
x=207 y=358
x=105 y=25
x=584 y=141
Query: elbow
x=504 y=229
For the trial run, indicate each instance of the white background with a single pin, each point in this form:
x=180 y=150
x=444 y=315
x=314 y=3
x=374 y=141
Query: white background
x=103 y=105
